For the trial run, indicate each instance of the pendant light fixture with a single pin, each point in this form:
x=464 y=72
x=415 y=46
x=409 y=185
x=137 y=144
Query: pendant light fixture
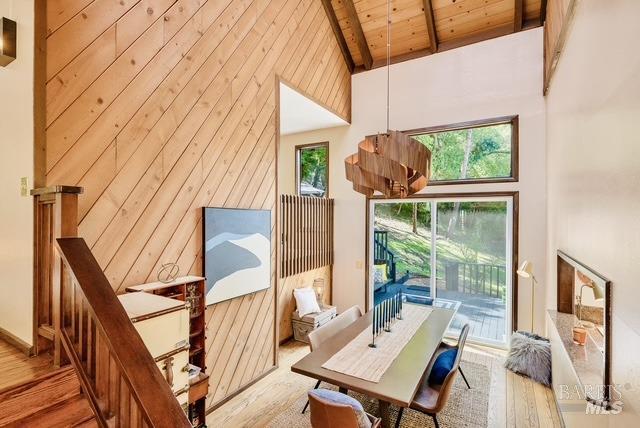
x=393 y=163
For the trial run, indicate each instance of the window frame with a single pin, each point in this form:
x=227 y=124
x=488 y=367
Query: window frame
x=298 y=150
x=513 y=120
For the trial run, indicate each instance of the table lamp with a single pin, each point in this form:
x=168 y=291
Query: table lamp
x=526 y=271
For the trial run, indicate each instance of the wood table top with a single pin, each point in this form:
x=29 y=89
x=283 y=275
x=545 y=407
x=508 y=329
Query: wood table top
x=400 y=382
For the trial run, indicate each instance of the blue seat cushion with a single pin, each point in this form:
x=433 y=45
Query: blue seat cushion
x=442 y=366
x=340 y=398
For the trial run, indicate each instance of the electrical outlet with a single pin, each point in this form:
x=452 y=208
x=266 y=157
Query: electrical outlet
x=24 y=186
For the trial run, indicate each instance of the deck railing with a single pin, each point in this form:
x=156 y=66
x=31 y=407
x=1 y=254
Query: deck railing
x=476 y=278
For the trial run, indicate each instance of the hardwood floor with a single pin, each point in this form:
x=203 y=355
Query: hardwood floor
x=516 y=400
x=18 y=368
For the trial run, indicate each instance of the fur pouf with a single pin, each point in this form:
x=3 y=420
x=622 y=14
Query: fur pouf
x=530 y=355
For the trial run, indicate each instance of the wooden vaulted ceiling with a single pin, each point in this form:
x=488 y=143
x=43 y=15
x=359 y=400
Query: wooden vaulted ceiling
x=423 y=27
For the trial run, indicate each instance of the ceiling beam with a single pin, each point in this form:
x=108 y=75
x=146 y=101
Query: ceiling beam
x=337 y=32
x=431 y=25
x=518 y=15
x=363 y=46
x=543 y=11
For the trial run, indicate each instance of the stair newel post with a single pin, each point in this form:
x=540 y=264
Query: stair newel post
x=55 y=216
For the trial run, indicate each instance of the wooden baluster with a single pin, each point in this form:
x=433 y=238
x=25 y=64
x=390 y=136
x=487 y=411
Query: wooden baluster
x=125 y=403
x=114 y=389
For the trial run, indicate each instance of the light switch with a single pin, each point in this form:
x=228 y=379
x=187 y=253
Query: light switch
x=359 y=264
x=24 y=186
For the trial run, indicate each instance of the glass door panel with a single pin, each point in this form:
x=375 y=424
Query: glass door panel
x=401 y=250
x=472 y=265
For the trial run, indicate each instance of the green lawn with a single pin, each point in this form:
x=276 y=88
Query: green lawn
x=413 y=250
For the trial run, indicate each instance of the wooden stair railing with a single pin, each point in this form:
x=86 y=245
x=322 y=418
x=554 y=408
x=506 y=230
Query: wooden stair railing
x=55 y=216
x=116 y=371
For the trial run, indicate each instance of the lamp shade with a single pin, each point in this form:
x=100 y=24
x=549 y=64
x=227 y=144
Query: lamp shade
x=7 y=41
x=526 y=269
x=598 y=293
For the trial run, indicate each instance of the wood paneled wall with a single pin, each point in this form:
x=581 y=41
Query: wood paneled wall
x=160 y=107
x=286 y=301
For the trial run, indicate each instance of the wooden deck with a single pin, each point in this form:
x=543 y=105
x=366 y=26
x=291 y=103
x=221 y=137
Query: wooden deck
x=486 y=315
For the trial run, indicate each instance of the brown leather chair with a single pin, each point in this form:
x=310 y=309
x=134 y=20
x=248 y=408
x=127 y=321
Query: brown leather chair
x=326 y=414
x=431 y=399
x=321 y=334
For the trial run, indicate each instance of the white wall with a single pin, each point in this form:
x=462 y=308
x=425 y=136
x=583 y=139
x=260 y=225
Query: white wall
x=287 y=155
x=495 y=78
x=16 y=160
x=593 y=144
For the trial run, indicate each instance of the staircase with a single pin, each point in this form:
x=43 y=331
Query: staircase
x=105 y=375
x=382 y=254
x=51 y=400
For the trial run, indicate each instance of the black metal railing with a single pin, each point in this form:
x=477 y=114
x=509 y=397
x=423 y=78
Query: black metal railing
x=382 y=254
x=476 y=278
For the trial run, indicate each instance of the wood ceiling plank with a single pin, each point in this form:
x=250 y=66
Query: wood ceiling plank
x=493 y=15
x=431 y=25
x=337 y=33
x=361 y=41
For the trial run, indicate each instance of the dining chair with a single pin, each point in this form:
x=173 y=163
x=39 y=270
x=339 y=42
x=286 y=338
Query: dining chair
x=430 y=398
x=321 y=334
x=331 y=414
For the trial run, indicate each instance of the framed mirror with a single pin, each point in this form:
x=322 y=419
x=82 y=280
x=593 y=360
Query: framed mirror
x=586 y=294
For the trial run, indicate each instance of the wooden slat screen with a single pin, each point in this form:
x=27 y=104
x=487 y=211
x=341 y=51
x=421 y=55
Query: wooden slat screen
x=307 y=233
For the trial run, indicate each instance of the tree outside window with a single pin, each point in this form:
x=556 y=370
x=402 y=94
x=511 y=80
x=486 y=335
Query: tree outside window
x=312 y=169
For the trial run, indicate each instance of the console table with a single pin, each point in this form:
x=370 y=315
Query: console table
x=574 y=368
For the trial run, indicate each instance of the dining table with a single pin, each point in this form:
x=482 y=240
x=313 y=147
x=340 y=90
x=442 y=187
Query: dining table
x=401 y=380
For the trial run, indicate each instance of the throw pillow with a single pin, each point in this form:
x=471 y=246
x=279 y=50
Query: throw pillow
x=339 y=398
x=530 y=355
x=442 y=366
x=306 y=301
x=380 y=274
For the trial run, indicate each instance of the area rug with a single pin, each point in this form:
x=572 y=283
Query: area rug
x=465 y=408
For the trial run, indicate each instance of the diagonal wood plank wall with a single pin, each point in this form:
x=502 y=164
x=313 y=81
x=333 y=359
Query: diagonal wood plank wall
x=160 y=107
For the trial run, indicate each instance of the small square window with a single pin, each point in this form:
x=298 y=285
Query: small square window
x=312 y=170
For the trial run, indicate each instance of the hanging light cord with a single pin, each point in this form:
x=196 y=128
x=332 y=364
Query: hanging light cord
x=388 y=55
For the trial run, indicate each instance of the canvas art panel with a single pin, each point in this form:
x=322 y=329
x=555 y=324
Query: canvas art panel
x=236 y=252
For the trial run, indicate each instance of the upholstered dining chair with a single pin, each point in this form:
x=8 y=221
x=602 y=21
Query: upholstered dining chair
x=327 y=413
x=431 y=398
x=321 y=334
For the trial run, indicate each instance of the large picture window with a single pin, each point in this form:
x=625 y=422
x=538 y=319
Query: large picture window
x=472 y=152
x=312 y=169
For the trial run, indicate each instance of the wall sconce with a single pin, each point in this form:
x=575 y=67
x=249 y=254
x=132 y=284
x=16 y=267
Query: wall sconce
x=8 y=41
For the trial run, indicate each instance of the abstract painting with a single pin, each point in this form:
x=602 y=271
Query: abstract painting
x=237 y=252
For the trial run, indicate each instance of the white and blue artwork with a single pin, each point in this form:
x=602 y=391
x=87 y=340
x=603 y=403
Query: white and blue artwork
x=236 y=252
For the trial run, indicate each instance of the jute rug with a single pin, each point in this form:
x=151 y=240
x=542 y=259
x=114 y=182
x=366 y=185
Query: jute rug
x=465 y=408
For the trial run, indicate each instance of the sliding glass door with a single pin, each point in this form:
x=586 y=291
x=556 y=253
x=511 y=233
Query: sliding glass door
x=447 y=252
